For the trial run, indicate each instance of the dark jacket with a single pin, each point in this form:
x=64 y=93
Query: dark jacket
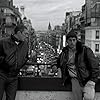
x=87 y=66
x=12 y=56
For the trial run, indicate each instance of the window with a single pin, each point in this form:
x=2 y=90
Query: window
x=97 y=34
x=96 y=47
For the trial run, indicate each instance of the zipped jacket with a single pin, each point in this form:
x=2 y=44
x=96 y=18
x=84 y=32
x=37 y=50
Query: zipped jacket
x=12 y=56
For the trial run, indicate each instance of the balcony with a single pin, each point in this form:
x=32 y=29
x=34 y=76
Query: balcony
x=45 y=88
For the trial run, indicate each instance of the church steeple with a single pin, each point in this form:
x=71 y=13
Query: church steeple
x=49 y=26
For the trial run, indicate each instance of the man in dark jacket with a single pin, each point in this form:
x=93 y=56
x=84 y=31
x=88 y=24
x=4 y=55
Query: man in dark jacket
x=13 y=55
x=78 y=63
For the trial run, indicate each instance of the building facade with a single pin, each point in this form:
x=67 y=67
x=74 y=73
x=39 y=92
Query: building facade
x=9 y=17
x=92 y=28
x=93 y=38
x=72 y=20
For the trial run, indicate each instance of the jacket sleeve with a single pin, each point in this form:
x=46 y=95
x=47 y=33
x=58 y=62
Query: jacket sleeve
x=1 y=52
x=93 y=65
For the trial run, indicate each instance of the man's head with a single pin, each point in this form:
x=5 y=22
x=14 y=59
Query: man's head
x=19 y=32
x=71 y=39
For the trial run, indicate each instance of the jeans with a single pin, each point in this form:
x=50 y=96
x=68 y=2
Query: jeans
x=9 y=85
x=77 y=90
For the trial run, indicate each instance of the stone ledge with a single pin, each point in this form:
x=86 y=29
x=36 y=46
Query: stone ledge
x=47 y=95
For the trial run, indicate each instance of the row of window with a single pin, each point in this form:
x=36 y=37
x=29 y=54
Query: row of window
x=97 y=36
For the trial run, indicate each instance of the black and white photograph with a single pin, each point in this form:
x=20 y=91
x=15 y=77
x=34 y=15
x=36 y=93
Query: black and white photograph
x=49 y=49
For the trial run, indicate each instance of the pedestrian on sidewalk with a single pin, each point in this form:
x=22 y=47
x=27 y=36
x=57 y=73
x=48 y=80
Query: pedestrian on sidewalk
x=13 y=55
x=79 y=65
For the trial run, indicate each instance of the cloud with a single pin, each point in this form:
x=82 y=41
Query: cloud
x=43 y=11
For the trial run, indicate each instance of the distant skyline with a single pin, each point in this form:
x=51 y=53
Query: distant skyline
x=41 y=12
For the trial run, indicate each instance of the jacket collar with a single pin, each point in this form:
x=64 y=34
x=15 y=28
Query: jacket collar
x=15 y=39
x=79 y=47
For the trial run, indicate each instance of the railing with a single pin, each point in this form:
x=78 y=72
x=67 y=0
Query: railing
x=37 y=70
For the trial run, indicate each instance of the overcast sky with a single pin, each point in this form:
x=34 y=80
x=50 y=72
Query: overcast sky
x=41 y=12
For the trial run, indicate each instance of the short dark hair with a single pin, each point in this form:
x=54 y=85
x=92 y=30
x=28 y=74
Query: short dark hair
x=19 y=27
x=72 y=33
